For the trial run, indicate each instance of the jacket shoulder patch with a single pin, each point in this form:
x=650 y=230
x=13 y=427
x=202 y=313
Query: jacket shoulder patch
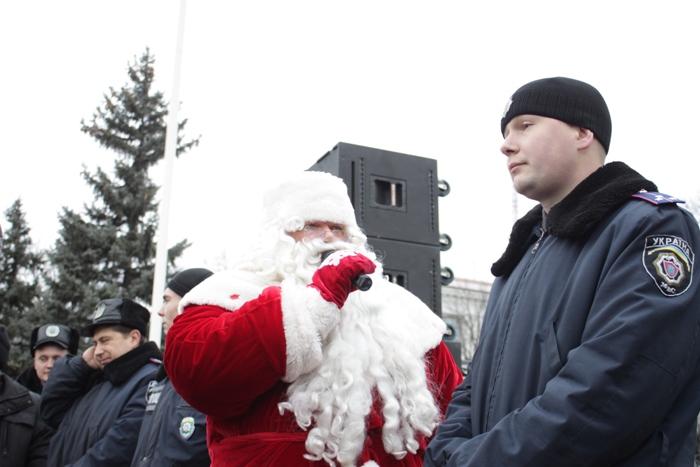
x=669 y=261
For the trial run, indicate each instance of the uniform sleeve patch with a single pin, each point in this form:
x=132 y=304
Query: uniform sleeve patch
x=669 y=261
x=654 y=197
x=187 y=427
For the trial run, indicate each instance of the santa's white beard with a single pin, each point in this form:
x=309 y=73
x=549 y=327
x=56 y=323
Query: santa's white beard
x=362 y=358
x=288 y=259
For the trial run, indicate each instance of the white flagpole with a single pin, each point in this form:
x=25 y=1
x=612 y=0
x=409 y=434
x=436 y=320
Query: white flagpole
x=160 y=269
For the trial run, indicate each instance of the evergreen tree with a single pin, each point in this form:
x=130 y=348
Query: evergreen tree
x=20 y=287
x=109 y=250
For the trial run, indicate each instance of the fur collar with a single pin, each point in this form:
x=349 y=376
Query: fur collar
x=600 y=193
x=121 y=369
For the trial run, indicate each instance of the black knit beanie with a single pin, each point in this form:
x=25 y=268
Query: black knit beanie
x=186 y=280
x=569 y=100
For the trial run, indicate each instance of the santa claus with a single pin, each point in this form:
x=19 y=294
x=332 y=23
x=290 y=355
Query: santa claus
x=293 y=365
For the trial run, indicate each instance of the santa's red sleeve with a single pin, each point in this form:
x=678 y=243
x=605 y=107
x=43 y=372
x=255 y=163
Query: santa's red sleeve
x=220 y=360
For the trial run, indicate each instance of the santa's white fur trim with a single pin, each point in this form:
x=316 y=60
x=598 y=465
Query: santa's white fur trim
x=227 y=289
x=311 y=196
x=370 y=464
x=308 y=319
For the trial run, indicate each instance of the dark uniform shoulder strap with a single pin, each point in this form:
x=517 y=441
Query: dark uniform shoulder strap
x=654 y=197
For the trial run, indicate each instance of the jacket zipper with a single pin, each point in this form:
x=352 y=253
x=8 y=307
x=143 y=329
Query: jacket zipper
x=539 y=240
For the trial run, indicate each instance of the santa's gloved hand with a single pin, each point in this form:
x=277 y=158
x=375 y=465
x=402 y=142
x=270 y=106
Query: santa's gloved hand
x=334 y=277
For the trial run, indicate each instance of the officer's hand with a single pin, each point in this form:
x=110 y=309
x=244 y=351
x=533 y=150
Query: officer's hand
x=89 y=357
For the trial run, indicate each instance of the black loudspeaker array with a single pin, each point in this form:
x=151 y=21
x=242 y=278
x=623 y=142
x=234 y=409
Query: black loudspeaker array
x=395 y=197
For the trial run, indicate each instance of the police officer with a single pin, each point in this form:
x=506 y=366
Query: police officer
x=172 y=432
x=589 y=351
x=96 y=401
x=47 y=344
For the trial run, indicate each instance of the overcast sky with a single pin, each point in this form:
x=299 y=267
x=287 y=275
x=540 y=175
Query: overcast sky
x=273 y=85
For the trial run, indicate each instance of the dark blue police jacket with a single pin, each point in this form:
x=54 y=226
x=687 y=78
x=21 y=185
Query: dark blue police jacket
x=172 y=432
x=98 y=414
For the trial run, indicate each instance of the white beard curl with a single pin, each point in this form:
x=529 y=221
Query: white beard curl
x=359 y=357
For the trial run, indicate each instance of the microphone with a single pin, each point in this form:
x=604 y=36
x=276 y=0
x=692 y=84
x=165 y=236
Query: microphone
x=363 y=282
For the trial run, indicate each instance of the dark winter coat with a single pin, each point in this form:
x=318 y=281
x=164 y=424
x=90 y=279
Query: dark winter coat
x=30 y=380
x=172 y=432
x=24 y=437
x=589 y=349
x=98 y=414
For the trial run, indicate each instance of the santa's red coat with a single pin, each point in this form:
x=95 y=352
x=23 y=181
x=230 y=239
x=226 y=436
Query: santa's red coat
x=234 y=360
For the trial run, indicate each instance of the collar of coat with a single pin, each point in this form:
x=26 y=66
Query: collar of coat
x=161 y=374
x=13 y=396
x=30 y=380
x=604 y=190
x=121 y=369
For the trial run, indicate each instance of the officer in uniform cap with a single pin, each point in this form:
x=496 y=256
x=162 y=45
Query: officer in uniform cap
x=96 y=401
x=47 y=344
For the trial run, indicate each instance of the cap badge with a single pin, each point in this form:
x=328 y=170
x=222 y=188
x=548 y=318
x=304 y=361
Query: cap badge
x=53 y=331
x=99 y=310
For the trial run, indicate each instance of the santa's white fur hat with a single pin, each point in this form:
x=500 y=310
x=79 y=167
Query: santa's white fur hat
x=312 y=196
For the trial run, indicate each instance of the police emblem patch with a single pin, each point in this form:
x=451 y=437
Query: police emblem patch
x=53 y=331
x=669 y=261
x=187 y=427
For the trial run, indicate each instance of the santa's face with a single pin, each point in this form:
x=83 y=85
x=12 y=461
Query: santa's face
x=328 y=232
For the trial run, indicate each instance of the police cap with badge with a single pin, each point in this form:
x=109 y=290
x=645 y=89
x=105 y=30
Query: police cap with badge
x=118 y=312
x=56 y=334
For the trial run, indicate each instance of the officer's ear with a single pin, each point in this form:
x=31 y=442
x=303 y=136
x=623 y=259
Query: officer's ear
x=584 y=138
x=134 y=338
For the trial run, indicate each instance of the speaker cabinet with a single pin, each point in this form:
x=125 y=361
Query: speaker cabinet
x=395 y=195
